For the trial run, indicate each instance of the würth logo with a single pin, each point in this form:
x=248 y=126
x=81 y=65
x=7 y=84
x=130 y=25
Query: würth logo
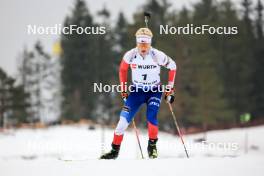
x=134 y=66
x=146 y=66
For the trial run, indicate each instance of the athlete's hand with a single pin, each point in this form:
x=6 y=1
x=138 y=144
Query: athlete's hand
x=124 y=95
x=169 y=95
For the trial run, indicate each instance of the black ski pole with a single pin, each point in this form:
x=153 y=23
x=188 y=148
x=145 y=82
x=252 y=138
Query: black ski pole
x=137 y=135
x=178 y=129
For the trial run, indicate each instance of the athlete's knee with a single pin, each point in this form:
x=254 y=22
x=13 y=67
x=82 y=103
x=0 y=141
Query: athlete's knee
x=152 y=115
x=126 y=113
x=121 y=126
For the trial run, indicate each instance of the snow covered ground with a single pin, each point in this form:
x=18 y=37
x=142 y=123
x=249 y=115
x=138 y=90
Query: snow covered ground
x=73 y=151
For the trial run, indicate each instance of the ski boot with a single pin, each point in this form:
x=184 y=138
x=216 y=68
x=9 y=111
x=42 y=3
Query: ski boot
x=113 y=154
x=152 y=148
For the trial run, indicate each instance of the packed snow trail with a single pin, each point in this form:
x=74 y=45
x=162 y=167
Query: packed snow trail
x=37 y=152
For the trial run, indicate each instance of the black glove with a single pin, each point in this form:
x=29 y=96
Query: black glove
x=169 y=95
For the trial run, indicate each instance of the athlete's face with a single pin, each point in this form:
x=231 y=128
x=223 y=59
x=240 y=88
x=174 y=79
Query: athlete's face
x=143 y=48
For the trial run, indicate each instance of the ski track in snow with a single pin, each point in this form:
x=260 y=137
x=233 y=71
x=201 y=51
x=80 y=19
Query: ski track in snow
x=74 y=151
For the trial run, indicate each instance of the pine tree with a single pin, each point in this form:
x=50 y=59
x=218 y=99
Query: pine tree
x=78 y=65
x=245 y=69
x=106 y=61
x=34 y=70
x=229 y=59
x=122 y=39
x=259 y=61
x=206 y=10
x=207 y=98
x=3 y=95
x=19 y=105
x=13 y=101
x=185 y=80
x=86 y=59
x=259 y=21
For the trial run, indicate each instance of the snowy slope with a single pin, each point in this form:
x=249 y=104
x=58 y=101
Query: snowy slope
x=47 y=151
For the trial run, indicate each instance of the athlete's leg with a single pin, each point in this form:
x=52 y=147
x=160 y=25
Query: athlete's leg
x=153 y=105
x=135 y=99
